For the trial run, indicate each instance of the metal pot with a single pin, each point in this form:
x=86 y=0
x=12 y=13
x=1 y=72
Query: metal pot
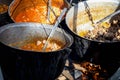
x=81 y=15
x=103 y=53
x=17 y=64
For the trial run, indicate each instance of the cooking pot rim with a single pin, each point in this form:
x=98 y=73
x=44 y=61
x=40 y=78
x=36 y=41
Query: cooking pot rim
x=30 y=24
x=78 y=5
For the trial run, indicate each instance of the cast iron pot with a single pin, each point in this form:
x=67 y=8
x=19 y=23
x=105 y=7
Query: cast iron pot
x=105 y=54
x=19 y=64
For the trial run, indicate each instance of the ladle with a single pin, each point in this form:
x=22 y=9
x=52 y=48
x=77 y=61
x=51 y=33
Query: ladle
x=100 y=21
x=107 y=17
x=48 y=12
x=54 y=28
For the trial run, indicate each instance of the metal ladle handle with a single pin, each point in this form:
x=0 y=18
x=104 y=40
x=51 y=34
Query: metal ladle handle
x=107 y=17
x=54 y=28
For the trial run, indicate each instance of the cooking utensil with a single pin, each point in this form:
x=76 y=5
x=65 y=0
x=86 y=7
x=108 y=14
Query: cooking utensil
x=48 y=12
x=107 y=17
x=54 y=28
x=94 y=25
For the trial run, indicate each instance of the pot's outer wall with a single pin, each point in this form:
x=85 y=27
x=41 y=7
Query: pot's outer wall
x=105 y=54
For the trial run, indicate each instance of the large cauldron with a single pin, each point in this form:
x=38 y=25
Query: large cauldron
x=104 y=53
x=17 y=64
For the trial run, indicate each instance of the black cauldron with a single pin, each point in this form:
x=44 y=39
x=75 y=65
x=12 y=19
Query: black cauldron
x=19 y=64
x=105 y=54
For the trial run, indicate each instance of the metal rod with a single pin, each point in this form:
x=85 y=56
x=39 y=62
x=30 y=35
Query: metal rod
x=87 y=9
x=107 y=17
x=48 y=12
x=54 y=28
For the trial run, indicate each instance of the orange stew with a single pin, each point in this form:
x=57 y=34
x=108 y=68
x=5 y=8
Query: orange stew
x=38 y=11
x=38 y=45
x=37 y=14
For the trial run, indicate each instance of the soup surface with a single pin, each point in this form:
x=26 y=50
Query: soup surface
x=96 y=12
x=38 y=44
x=38 y=11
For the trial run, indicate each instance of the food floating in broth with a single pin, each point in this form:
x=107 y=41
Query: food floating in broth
x=37 y=45
x=37 y=11
x=104 y=32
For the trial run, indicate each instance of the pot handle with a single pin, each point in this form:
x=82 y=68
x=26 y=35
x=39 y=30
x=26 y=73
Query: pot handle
x=67 y=52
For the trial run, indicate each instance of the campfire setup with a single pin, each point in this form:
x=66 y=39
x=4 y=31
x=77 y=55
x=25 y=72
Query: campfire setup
x=60 y=39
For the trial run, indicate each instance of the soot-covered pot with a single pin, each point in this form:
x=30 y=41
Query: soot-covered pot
x=20 y=64
x=105 y=53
